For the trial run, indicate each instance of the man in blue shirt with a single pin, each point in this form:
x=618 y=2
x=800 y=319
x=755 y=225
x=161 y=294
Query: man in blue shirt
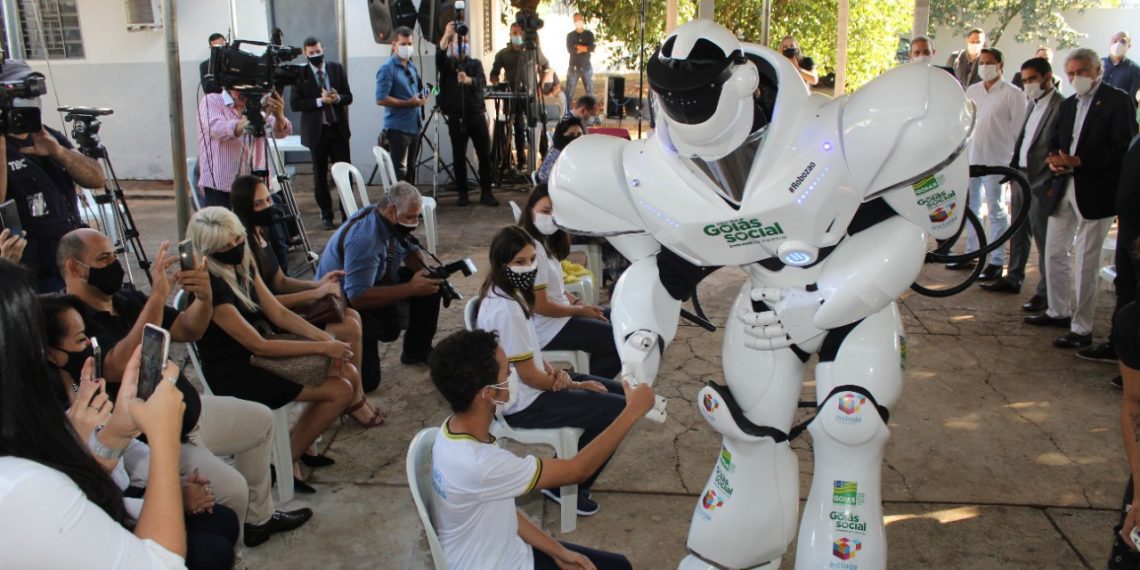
x=399 y=89
x=384 y=268
x=1119 y=71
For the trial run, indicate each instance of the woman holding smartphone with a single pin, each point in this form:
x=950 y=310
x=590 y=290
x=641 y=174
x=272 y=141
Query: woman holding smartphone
x=241 y=301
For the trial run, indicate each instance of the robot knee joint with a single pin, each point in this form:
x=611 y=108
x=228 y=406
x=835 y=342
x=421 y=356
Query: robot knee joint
x=851 y=416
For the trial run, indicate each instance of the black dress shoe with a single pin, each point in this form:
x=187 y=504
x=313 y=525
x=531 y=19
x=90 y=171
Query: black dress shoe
x=1047 y=321
x=1117 y=382
x=316 y=461
x=1103 y=352
x=302 y=487
x=328 y=224
x=281 y=521
x=1001 y=286
x=1073 y=340
x=1034 y=304
x=488 y=199
x=960 y=266
x=463 y=200
x=990 y=273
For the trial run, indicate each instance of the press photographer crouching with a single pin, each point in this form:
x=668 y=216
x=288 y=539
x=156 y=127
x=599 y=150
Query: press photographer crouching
x=384 y=267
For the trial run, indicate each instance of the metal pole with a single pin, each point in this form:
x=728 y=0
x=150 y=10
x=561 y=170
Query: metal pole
x=641 y=73
x=706 y=9
x=341 y=34
x=841 y=48
x=921 y=18
x=177 y=129
x=765 y=22
x=12 y=31
x=233 y=20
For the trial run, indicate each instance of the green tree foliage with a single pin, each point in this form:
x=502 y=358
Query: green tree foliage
x=1042 y=21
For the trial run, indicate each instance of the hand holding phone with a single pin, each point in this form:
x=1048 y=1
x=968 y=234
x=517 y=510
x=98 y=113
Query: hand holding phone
x=10 y=218
x=97 y=357
x=186 y=255
x=155 y=353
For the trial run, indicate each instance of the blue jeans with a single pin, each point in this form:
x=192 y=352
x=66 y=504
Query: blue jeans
x=997 y=214
x=572 y=76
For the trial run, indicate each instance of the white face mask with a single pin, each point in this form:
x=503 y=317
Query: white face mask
x=973 y=49
x=512 y=388
x=404 y=52
x=988 y=72
x=579 y=26
x=923 y=59
x=545 y=224
x=1082 y=85
x=1118 y=49
x=1033 y=91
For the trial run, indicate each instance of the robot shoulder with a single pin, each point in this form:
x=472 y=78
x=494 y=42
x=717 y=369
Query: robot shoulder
x=903 y=126
x=588 y=188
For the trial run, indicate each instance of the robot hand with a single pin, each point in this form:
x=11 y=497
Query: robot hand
x=794 y=323
x=640 y=359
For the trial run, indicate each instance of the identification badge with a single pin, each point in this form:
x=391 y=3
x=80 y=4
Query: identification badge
x=37 y=205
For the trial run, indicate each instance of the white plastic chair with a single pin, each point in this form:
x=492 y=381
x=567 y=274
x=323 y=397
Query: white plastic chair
x=593 y=258
x=192 y=177
x=427 y=211
x=419 y=482
x=385 y=167
x=282 y=450
x=346 y=176
x=516 y=211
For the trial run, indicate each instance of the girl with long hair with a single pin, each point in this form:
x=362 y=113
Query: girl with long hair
x=547 y=397
x=253 y=206
x=563 y=321
x=241 y=301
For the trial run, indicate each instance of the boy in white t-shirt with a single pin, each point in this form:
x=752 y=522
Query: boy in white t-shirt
x=475 y=482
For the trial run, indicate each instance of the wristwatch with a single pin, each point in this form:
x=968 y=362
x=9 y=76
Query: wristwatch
x=102 y=451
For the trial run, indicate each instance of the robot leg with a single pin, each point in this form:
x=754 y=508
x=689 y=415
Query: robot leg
x=746 y=514
x=858 y=380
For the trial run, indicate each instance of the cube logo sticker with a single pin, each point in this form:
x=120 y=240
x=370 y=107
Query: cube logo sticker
x=850 y=402
x=711 y=403
x=711 y=501
x=846 y=548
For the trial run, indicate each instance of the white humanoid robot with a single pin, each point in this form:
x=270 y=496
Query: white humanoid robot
x=827 y=206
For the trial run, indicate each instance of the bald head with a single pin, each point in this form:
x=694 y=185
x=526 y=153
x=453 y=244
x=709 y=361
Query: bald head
x=84 y=247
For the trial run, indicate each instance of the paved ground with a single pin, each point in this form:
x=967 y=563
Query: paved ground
x=1005 y=452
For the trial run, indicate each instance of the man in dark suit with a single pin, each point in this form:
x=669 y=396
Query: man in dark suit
x=1029 y=153
x=1093 y=131
x=322 y=97
x=1127 y=236
x=208 y=84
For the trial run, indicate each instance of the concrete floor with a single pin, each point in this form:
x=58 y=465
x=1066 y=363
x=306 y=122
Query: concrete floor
x=1005 y=452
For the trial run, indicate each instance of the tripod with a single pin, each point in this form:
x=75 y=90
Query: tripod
x=435 y=117
x=126 y=238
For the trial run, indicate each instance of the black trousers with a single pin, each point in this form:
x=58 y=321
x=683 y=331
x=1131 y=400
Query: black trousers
x=601 y=559
x=332 y=148
x=423 y=319
x=402 y=147
x=1127 y=270
x=593 y=412
x=210 y=539
x=473 y=128
x=593 y=336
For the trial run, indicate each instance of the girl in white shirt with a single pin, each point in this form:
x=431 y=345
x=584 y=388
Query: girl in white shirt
x=563 y=321
x=547 y=398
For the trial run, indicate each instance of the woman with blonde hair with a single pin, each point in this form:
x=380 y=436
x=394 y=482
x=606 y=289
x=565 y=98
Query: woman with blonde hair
x=241 y=302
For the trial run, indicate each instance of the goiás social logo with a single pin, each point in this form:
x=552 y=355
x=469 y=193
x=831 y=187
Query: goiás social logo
x=940 y=202
x=845 y=521
x=846 y=493
x=745 y=231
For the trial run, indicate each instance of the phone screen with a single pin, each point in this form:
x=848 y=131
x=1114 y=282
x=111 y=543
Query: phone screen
x=97 y=356
x=155 y=344
x=10 y=217
x=186 y=255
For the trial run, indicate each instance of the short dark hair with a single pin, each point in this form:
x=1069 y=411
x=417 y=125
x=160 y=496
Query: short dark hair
x=557 y=245
x=975 y=31
x=587 y=101
x=52 y=306
x=994 y=52
x=1038 y=64
x=215 y=36
x=462 y=364
x=402 y=32
x=311 y=41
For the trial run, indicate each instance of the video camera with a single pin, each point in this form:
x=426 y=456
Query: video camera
x=234 y=68
x=19 y=120
x=527 y=19
x=85 y=131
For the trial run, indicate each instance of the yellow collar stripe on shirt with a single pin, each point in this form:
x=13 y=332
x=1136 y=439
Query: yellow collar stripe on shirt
x=520 y=358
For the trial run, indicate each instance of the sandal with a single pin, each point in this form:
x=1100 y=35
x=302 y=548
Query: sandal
x=377 y=418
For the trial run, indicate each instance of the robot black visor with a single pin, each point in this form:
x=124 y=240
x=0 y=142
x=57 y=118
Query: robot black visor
x=689 y=89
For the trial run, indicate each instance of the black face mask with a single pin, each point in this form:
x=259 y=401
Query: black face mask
x=317 y=60
x=107 y=279
x=75 y=362
x=263 y=218
x=790 y=52
x=232 y=256
x=521 y=281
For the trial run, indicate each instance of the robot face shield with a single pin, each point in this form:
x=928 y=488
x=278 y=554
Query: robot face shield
x=730 y=173
x=689 y=90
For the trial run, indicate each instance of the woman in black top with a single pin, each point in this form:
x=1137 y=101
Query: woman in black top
x=250 y=200
x=241 y=301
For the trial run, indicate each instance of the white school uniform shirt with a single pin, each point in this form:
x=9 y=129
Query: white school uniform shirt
x=502 y=314
x=1001 y=114
x=549 y=282
x=475 y=485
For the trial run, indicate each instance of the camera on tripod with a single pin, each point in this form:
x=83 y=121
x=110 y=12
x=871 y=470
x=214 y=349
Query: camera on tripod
x=461 y=28
x=527 y=19
x=235 y=68
x=85 y=131
x=446 y=291
x=19 y=120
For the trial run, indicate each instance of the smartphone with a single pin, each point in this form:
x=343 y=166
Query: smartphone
x=186 y=255
x=10 y=218
x=155 y=352
x=97 y=355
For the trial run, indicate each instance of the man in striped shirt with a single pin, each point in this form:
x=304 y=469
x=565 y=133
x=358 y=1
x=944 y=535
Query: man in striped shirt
x=225 y=150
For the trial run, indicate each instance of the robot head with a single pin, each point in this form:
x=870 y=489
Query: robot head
x=705 y=87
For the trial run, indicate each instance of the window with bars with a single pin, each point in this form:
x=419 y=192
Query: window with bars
x=50 y=29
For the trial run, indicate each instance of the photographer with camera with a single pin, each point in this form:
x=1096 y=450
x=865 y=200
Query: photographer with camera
x=461 y=86
x=42 y=170
x=790 y=49
x=383 y=267
x=225 y=149
x=399 y=89
x=520 y=78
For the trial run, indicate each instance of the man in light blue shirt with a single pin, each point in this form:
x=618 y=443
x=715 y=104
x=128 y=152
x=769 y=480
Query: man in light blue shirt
x=399 y=89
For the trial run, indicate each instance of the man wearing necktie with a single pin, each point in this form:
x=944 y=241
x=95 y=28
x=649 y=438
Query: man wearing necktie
x=322 y=97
